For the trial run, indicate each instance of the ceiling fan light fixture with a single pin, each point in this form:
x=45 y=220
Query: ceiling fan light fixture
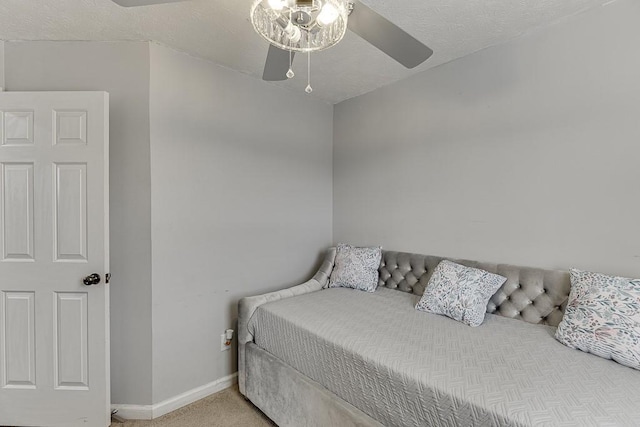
x=321 y=24
x=317 y=24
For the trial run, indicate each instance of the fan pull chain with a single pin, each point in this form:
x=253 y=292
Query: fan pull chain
x=309 y=89
x=290 y=74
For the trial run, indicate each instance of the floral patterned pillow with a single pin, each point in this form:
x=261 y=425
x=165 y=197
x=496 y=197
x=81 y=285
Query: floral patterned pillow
x=459 y=292
x=356 y=268
x=603 y=317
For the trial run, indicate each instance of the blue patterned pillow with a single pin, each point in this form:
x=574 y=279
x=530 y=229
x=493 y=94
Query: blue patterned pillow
x=356 y=268
x=603 y=317
x=459 y=292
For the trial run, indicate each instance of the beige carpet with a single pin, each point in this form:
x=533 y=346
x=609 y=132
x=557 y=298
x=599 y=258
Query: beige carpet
x=224 y=409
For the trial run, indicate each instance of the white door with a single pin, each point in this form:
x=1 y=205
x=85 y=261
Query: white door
x=54 y=329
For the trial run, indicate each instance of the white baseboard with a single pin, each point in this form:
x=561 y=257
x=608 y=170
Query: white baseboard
x=149 y=412
x=134 y=412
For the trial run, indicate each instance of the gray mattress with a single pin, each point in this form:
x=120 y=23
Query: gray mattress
x=408 y=368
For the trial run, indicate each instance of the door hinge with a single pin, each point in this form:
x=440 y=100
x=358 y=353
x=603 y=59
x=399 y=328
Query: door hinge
x=107 y=277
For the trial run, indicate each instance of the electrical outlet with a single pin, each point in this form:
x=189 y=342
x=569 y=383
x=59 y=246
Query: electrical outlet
x=223 y=343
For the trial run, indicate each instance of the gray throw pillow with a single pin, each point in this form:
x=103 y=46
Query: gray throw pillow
x=603 y=317
x=356 y=268
x=459 y=292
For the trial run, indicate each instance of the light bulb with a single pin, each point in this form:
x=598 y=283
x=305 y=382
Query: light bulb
x=293 y=32
x=277 y=4
x=296 y=35
x=328 y=14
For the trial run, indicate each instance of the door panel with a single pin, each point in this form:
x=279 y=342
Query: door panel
x=18 y=128
x=17 y=340
x=70 y=230
x=70 y=127
x=16 y=211
x=71 y=339
x=54 y=330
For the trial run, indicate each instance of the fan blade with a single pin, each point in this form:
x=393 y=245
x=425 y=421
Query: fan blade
x=387 y=36
x=134 y=3
x=277 y=64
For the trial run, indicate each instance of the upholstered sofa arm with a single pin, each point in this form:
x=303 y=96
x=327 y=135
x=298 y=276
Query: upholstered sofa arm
x=247 y=306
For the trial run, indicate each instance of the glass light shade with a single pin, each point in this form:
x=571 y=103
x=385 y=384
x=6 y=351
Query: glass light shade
x=319 y=24
x=277 y=4
x=328 y=14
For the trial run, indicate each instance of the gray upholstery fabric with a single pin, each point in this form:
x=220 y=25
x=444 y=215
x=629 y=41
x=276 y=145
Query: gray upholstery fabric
x=247 y=306
x=408 y=368
x=529 y=294
x=293 y=400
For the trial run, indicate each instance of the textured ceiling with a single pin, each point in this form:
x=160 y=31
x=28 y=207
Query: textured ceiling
x=219 y=30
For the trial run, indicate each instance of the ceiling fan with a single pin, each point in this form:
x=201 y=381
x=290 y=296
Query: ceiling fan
x=305 y=26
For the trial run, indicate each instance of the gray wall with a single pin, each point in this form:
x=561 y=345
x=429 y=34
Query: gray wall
x=523 y=153
x=241 y=185
x=122 y=69
x=2 y=64
x=241 y=204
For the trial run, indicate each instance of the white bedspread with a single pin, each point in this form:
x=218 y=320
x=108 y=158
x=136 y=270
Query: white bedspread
x=408 y=368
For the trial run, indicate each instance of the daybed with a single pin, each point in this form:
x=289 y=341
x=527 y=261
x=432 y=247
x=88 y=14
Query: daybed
x=310 y=356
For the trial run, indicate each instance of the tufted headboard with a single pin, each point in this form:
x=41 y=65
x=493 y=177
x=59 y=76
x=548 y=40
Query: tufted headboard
x=529 y=294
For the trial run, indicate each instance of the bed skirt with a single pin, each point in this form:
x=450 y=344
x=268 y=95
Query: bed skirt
x=291 y=399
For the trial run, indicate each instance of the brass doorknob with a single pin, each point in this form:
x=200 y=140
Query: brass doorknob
x=92 y=279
